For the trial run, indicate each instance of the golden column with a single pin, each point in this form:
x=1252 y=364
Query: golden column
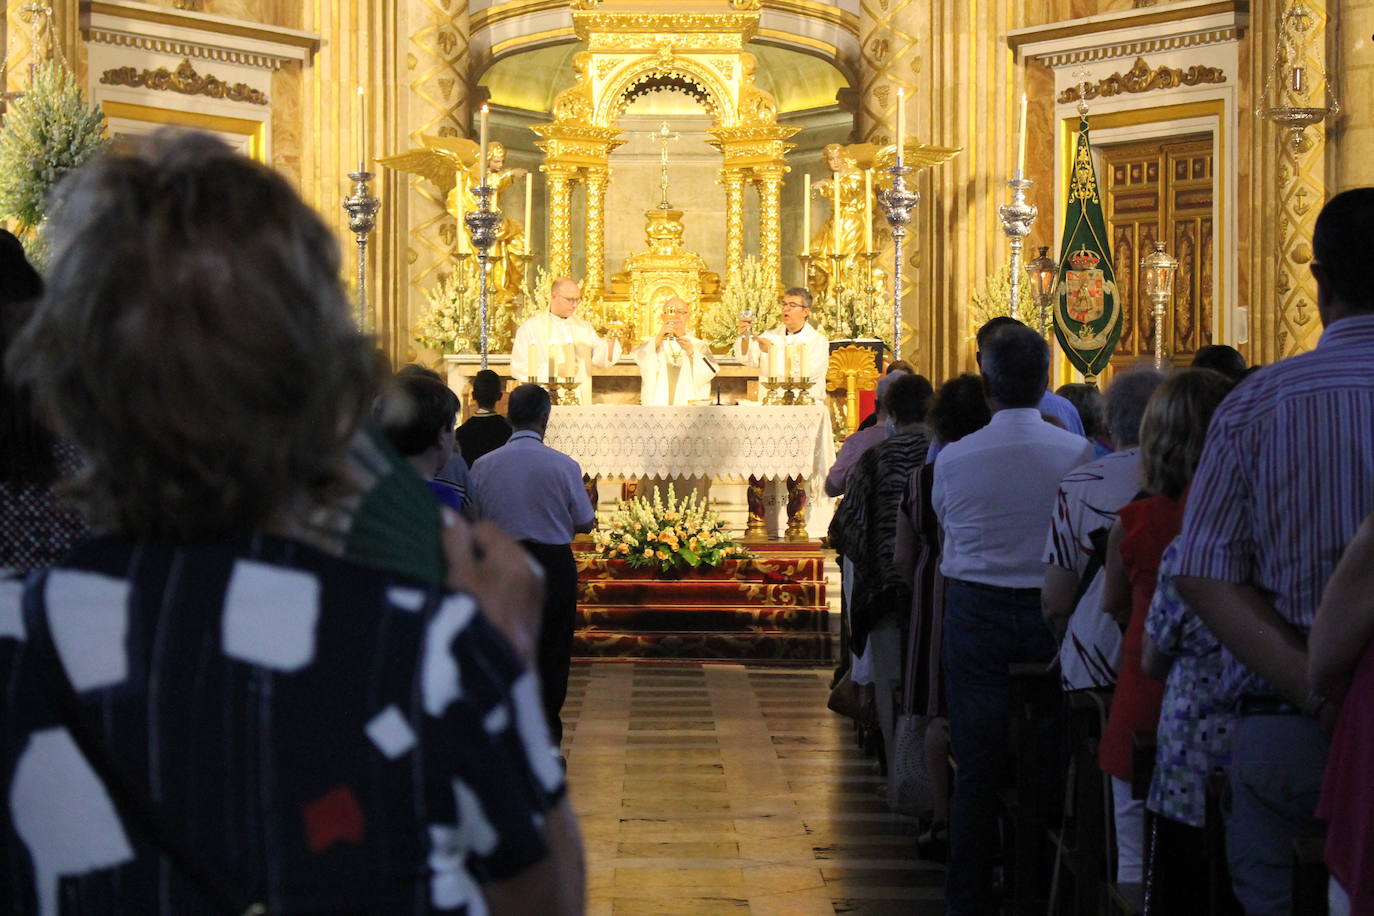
x=733 y=180
x=26 y=23
x=560 y=181
x=596 y=178
x=769 y=178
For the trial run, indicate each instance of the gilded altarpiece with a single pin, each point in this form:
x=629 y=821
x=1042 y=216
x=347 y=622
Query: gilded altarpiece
x=628 y=55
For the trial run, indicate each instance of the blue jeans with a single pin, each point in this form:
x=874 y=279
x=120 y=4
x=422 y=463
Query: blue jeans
x=1277 y=764
x=985 y=632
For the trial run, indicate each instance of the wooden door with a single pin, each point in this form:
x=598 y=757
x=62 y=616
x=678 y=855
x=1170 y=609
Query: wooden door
x=1162 y=189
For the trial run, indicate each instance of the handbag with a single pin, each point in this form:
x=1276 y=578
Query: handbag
x=910 y=790
x=130 y=800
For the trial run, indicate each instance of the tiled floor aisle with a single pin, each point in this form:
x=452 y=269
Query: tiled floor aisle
x=709 y=789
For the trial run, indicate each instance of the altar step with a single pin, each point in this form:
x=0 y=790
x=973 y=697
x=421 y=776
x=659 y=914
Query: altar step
x=770 y=608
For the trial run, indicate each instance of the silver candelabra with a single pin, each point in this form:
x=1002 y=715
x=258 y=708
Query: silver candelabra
x=362 y=210
x=897 y=203
x=1017 y=217
x=482 y=224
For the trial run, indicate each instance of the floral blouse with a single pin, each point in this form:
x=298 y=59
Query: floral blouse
x=1194 y=737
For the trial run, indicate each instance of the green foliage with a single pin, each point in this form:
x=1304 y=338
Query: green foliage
x=46 y=134
x=746 y=290
x=853 y=312
x=994 y=301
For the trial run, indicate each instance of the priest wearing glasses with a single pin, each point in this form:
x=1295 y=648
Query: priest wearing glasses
x=559 y=344
x=793 y=350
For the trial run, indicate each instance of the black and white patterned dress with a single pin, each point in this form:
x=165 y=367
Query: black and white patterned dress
x=330 y=737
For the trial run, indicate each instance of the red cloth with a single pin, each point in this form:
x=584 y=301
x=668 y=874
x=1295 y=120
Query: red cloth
x=1150 y=524
x=868 y=402
x=1348 y=792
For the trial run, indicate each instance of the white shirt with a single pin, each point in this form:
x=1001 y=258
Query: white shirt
x=668 y=377
x=994 y=491
x=530 y=491
x=817 y=357
x=541 y=340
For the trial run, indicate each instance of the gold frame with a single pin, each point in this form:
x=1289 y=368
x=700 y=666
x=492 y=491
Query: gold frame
x=254 y=131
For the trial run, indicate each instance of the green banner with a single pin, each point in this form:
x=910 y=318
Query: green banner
x=1087 y=318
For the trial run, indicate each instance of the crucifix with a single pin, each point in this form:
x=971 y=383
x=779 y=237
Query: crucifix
x=664 y=135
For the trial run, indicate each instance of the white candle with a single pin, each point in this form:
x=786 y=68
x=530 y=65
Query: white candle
x=774 y=360
x=1021 y=143
x=806 y=215
x=482 y=147
x=362 y=130
x=532 y=363
x=529 y=209
x=835 y=213
x=868 y=209
x=901 y=125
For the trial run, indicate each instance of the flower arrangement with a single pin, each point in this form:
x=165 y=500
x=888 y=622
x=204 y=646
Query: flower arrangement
x=850 y=311
x=746 y=290
x=994 y=300
x=452 y=324
x=670 y=534
x=47 y=133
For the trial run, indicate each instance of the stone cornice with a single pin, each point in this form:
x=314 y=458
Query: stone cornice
x=1135 y=33
x=187 y=34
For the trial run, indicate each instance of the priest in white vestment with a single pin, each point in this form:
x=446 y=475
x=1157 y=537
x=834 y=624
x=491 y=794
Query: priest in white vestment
x=675 y=368
x=558 y=343
x=794 y=349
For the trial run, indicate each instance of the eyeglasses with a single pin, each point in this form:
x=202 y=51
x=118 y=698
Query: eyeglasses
x=794 y=305
x=568 y=298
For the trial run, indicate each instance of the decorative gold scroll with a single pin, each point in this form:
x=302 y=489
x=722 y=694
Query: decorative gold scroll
x=1140 y=78
x=184 y=80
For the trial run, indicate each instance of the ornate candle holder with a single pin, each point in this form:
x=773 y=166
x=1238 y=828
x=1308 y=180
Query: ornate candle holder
x=1017 y=217
x=777 y=391
x=799 y=392
x=482 y=224
x=565 y=392
x=897 y=203
x=362 y=210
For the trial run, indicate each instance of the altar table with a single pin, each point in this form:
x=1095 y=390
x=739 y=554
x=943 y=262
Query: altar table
x=741 y=442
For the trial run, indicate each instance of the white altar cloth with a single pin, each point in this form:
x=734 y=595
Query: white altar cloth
x=719 y=442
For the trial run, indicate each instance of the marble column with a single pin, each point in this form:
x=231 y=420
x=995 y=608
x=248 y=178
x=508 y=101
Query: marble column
x=596 y=178
x=733 y=180
x=769 y=179
x=560 y=185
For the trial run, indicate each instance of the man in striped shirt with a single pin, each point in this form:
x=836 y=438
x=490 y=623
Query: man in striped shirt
x=1285 y=478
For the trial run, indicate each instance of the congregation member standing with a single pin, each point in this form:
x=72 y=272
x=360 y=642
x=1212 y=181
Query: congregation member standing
x=417 y=414
x=1090 y=641
x=486 y=430
x=993 y=492
x=534 y=493
x=675 y=368
x=1285 y=479
x=558 y=343
x=794 y=341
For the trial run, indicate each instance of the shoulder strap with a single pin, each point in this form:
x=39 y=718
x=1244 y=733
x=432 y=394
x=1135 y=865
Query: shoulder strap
x=133 y=804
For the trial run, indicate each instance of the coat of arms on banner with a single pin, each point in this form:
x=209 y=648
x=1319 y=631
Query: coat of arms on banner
x=1084 y=286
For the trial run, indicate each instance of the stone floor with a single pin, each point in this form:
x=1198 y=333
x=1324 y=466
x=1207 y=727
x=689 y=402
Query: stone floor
x=720 y=788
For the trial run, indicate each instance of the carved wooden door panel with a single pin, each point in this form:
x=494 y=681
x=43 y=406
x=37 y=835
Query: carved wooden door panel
x=1162 y=189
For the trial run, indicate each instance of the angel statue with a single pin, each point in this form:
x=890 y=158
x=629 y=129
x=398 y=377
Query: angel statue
x=450 y=164
x=848 y=241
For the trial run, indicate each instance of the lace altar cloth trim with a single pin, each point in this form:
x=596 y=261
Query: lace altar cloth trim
x=725 y=443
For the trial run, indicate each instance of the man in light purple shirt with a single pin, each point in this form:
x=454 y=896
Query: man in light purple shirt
x=534 y=493
x=1285 y=478
x=859 y=442
x=993 y=493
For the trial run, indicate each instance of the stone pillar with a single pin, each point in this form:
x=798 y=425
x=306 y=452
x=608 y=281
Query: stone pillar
x=733 y=180
x=1353 y=136
x=560 y=183
x=596 y=231
x=769 y=179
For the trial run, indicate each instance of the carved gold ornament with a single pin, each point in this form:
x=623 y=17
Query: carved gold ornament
x=1140 y=78
x=184 y=80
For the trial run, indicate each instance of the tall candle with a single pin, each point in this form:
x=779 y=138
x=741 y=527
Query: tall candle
x=482 y=147
x=529 y=209
x=532 y=361
x=868 y=209
x=806 y=215
x=362 y=130
x=1021 y=143
x=835 y=214
x=901 y=125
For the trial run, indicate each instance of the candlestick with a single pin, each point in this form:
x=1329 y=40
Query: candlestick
x=482 y=147
x=1017 y=217
x=835 y=214
x=529 y=210
x=1021 y=142
x=482 y=223
x=362 y=208
x=806 y=216
x=868 y=209
x=901 y=125
x=897 y=203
